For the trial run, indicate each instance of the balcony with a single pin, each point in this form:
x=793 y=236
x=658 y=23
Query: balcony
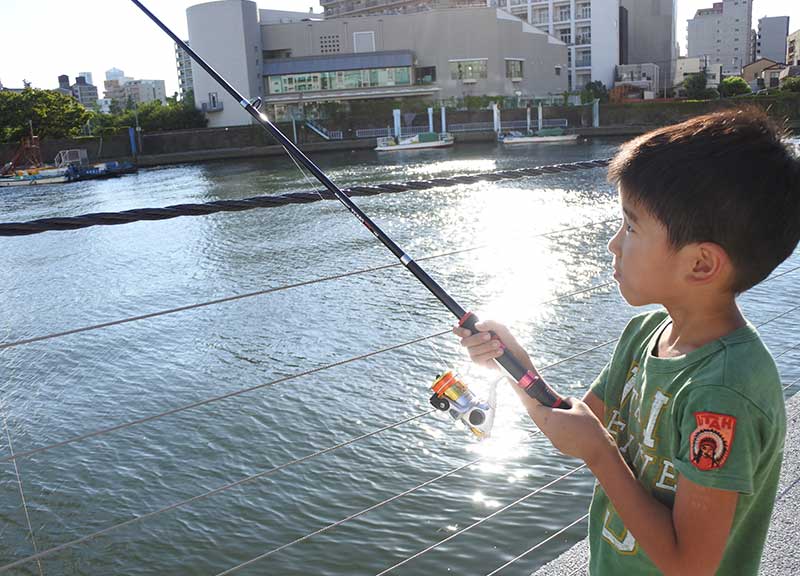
x=211 y=107
x=583 y=62
x=583 y=39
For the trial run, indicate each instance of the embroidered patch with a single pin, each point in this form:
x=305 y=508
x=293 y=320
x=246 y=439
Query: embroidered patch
x=711 y=441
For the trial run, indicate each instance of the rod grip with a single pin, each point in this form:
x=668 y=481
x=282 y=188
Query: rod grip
x=533 y=384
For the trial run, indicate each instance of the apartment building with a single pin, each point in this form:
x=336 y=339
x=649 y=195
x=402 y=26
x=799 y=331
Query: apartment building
x=722 y=35
x=183 y=63
x=771 y=38
x=295 y=61
x=793 y=49
x=84 y=92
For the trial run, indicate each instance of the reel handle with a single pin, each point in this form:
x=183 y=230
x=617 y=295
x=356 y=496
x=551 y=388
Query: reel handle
x=533 y=384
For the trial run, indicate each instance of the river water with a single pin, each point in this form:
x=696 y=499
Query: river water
x=483 y=242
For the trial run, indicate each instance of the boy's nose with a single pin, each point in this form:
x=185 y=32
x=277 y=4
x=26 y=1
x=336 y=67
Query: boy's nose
x=613 y=244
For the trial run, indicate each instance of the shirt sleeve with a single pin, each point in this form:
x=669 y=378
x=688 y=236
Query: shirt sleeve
x=598 y=387
x=719 y=438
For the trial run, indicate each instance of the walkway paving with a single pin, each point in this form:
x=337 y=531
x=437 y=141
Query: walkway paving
x=782 y=553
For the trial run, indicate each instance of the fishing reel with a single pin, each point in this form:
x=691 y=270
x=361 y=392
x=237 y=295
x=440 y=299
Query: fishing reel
x=451 y=395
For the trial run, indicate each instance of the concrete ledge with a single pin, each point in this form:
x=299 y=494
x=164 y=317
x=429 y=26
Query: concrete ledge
x=781 y=552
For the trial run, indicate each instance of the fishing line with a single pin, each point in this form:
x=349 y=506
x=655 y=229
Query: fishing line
x=527 y=380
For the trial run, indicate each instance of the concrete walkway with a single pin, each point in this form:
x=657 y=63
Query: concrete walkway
x=781 y=552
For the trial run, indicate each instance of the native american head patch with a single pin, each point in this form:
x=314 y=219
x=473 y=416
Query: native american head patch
x=710 y=443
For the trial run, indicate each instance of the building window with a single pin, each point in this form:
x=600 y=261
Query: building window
x=425 y=75
x=514 y=69
x=468 y=70
x=558 y=70
x=364 y=41
x=339 y=80
x=564 y=35
x=212 y=100
x=584 y=11
x=563 y=13
x=273 y=54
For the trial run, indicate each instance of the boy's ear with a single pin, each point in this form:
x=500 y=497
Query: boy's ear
x=709 y=262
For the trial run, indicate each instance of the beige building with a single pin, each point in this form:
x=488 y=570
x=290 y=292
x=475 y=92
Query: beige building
x=436 y=56
x=793 y=49
x=685 y=67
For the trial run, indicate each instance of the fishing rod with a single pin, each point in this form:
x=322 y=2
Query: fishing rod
x=526 y=379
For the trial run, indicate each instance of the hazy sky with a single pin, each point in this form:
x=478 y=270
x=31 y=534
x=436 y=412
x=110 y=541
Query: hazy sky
x=41 y=39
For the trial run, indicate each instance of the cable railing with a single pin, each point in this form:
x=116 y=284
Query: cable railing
x=250 y=478
x=235 y=297
x=308 y=457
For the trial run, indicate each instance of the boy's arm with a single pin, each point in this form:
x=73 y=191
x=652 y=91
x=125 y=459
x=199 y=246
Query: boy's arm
x=690 y=538
x=597 y=406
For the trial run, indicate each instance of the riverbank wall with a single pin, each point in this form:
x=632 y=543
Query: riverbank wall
x=616 y=120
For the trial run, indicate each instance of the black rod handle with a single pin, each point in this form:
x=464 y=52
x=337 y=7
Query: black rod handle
x=533 y=384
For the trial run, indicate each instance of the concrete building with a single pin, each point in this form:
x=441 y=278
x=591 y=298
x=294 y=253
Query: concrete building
x=793 y=49
x=722 y=34
x=771 y=38
x=114 y=74
x=184 y=64
x=685 y=67
x=646 y=77
x=84 y=92
x=651 y=36
x=434 y=56
x=64 y=86
x=590 y=28
x=144 y=91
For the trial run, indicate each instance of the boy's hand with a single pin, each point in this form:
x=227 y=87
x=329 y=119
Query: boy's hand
x=483 y=348
x=575 y=431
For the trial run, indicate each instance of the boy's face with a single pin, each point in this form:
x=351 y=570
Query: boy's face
x=645 y=266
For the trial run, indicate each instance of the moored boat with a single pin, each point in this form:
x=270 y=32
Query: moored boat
x=544 y=135
x=423 y=140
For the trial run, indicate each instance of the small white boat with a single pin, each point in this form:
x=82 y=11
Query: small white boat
x=545 y=135
x=424 y=140
x=36 y=176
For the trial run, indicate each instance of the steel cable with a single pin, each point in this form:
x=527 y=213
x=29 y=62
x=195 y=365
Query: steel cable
x=235 y=393
x=484 y=519
x=241 y=481
x=539 y=545
x=265 y=291
x=246 y=479
x=168 y=212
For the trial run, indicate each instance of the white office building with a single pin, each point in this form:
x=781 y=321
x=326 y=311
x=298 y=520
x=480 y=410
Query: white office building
x=293 y=61
x=722 y=35
x=771 y=38
x=590 y=28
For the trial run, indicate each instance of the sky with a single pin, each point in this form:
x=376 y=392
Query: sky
x=42 y=39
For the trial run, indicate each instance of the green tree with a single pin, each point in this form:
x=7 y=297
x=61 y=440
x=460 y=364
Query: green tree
x=791 y=84
x=733 y=86
x=594 y=91
x=695 y=86
x=152 y=117
x=54 y=115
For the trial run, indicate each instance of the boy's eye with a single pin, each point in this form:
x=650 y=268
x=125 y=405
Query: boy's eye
x=628 y=227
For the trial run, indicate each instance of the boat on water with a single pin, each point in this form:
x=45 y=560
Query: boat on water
x=418 y=141
x=543 y=135
x=70 y=166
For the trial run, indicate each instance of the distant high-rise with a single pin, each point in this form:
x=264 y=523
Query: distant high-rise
x=652 y=36
x=84 y=92
x=722 y=35
x=184 y=64
x=793 y=49
x=114 y=74
x=88 y=76
x=771 y=39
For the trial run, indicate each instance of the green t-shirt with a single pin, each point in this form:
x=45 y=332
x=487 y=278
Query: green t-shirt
x=715 y=415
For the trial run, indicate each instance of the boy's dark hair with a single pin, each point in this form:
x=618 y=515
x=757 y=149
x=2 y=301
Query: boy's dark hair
x=725 y=177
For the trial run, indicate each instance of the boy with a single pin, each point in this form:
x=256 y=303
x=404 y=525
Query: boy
x=684 y=427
